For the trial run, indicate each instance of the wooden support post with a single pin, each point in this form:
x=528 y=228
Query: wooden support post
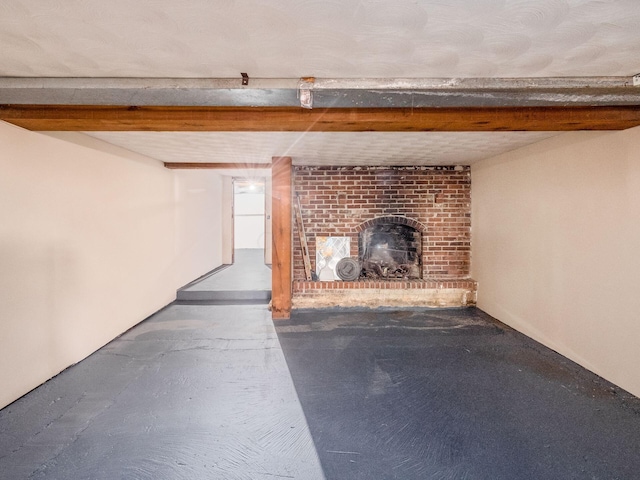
x=281 y=175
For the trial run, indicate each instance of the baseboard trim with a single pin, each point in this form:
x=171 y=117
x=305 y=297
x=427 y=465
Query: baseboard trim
x=206 y=275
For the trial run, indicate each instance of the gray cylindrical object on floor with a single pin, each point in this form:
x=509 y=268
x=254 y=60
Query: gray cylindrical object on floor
x=348 y=269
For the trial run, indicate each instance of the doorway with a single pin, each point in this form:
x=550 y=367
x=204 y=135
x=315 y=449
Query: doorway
x=249 y=213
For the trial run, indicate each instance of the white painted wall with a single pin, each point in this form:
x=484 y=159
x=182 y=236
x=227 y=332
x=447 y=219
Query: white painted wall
x=93 y=239
x=199 y=236
x=556 y=233
x=227 y=220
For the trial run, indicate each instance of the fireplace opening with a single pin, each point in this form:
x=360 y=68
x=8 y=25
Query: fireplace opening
x=390 y=251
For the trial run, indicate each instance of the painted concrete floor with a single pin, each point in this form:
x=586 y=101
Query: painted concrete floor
x=204 y=392
x=247 y=280
x=248 y=272
x=194 y=392
x=453 y=394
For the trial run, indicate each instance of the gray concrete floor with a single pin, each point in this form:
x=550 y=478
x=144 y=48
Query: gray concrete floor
x=194 y=392
x=204 y=392
x=453 y=394
x=248 y=272
x=248 y=279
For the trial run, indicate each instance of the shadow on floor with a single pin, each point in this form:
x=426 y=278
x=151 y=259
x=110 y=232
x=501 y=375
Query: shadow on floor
x=452 y=394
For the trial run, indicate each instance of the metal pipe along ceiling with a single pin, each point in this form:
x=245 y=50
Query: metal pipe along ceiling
x=323 y=92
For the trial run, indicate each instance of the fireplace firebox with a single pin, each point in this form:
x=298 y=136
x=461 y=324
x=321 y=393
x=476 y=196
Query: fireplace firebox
x=390 y=251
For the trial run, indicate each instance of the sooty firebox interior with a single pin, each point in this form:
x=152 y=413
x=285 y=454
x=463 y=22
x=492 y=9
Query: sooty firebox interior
x=390 y=251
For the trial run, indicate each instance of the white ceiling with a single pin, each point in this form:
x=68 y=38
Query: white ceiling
x=321 y=38
x=323 y=148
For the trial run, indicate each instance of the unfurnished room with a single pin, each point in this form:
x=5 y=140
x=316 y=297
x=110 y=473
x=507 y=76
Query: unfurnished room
x=320 y=239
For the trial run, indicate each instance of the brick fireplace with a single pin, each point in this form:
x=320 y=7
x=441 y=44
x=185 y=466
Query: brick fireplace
x=430 y=206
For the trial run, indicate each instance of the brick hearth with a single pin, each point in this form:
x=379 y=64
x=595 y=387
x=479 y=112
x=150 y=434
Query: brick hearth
x=401 y=293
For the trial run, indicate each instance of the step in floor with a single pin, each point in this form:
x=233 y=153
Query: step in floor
x=248 y=280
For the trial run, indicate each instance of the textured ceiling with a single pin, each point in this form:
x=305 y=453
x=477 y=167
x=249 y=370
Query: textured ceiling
x=321 y=38
x=323 y=148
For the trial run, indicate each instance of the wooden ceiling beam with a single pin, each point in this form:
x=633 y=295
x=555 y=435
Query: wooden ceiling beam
x=216 y=166
x=294 y=119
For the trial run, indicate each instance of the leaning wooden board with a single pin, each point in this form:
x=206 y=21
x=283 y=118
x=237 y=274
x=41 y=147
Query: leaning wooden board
x=303 y=239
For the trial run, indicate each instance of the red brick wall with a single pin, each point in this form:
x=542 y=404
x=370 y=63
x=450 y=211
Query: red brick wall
x=335 y=200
